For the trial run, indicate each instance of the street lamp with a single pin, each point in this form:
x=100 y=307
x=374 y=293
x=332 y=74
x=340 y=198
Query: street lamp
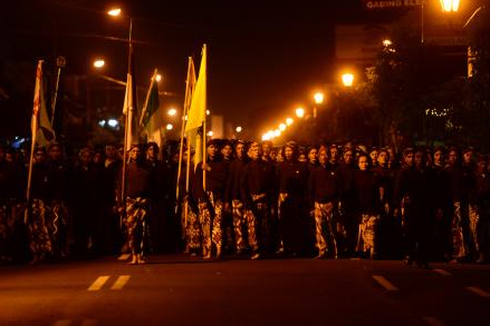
x=450 y=5
x=114 y=12
x=170 y=126
x=348 y=79
x=239 y=129
x=289 y=121
x=319 y=97
x=387 y=43
x=277 y=133
x=99 y=63
x=300 y=112
x=282 y=127
x=158 y=78
x=172 y=112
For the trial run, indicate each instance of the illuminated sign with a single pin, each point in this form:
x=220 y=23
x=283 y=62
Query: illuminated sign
x=390 y=4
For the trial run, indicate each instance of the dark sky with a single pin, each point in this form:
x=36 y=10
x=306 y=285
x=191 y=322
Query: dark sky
x=264 y=56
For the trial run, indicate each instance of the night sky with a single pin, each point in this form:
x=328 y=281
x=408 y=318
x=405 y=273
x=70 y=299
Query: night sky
x=264 y=56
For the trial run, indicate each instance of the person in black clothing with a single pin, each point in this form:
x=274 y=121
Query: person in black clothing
x=59 y=219
x=442 y=244
x=413 y=191
x=368 y=206
x=293 y=200
x=347 y=210
x=480 y=229
x=256 y=184
x=210 y=198
x=227 y=214
x=233 y=195
x=325 y=191
x=139 y=187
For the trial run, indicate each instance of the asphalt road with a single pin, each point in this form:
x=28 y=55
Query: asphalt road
x=177 y=290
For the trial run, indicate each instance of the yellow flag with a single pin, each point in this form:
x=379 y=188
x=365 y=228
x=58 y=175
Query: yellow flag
x=197 y=112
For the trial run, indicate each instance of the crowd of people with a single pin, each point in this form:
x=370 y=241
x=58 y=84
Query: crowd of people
x=248 y=200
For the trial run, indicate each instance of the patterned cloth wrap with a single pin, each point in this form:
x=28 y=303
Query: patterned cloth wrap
x=257 y=216
x=459 y=248
x=211 y=212
x=136 y=214
x=237 y=207
x=191 y=226
x=40 y=239
x=325 y=232
x=368 y=233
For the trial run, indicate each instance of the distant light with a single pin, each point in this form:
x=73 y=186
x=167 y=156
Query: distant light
x=185 y=118
x=450 y=5
x=172 y=112
x=289 y=121
x=265 y=137
x=208 y=112
x=158 y=78
x=239 y=129
x=319 y=97
x=348 y=79
x=114 y=12
x=300 y=112
x=102 y=123
x=99 y=63
x=270 y=134
x=387 y=43
x=170 y=126
x=282 y=127
x=113 y=123
x=210 y=133
x=277 y=133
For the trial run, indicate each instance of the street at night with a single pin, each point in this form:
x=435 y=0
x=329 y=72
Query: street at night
x=174 y=290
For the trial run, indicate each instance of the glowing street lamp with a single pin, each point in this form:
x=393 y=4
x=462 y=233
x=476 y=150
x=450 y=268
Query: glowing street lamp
x=158 y=78
x=319 y=97
x=208 y=112
x=450 y=5
x=300 y=112
x=210 y=133
x=265 y=137
x=282 y=127
x=270 y=134
x=239 y=129
x=348 y=79
x=387 y=43
x=172 y=112
x=277 y=133
x=170 y=126
x=114 y=12
x=99 y=63
x=289 y=121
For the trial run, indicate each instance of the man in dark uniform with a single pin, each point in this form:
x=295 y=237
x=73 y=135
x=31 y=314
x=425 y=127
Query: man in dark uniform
x=8 y=194
x=256 y=192
x=347 y=210
x=293 y=200
x=210 y=196
x=325 y=191
x=414 y=194
x=233 y=195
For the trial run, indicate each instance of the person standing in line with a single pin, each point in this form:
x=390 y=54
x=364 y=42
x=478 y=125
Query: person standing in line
x=367 y=191
x=233 y=196
x=256 y=189
x=211 y=199
x=325 y=191
x=347 y=170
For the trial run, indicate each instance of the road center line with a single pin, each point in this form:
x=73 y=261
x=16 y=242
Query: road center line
x=123 y=257
x=432 y=321
x=62 y=322
x=478 y=291
x=442 y=272
x=385 y=283
x=120 y=282
x=98 y=284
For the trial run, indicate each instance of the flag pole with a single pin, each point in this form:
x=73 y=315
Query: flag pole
x=188 y=93
x=204 y=135
x=129 y=117
x=34 y=126
x=60 y=63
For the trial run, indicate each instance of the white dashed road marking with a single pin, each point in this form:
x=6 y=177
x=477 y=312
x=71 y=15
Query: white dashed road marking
x=120 y=282
x=478 y=291
x=432 y=321
x=442 y=272
x=385 y=283
x=98 y=284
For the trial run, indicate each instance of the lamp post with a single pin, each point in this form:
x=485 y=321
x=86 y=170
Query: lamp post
x=319 y=97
